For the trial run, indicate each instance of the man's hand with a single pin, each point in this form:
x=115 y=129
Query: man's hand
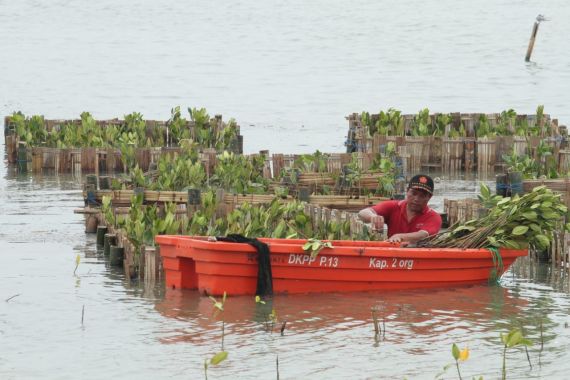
x=368 y=215
x=397 y=238
x=410 y=237
x=377 y=222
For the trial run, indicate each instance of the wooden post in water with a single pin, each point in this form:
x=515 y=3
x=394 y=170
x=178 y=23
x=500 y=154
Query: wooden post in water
x=539 y=18
x=531 y=41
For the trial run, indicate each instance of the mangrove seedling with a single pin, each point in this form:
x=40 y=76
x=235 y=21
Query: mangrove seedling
x=315 y=246
x=77 y=260
x=376 y=323
x=222 y=355
x=215 y=360
x=459 y=356
x=512 y=339
x=219 y=307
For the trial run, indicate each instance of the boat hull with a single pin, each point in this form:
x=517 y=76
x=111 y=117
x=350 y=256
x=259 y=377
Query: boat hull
x=216 y=267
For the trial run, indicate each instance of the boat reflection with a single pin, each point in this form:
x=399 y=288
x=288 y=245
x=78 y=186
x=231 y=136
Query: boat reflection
x=425 y=312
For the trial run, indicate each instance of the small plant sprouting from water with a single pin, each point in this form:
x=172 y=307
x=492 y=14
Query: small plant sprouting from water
x=459 y=356
x=222 y=355
x=77 y=261
x=378 y=331
x=215 y=360
x=542 y=341
x=269 y=319
x=512 y=339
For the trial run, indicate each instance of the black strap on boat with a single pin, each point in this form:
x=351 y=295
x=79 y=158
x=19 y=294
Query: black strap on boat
x=264 y=276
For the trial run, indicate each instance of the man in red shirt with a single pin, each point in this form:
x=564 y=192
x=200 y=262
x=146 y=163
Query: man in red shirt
x=409 y=220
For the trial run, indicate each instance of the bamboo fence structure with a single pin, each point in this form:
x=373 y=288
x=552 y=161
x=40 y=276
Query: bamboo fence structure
x=451 y=155
x=123 y=198
x=143 y=155
x=147 y=264
x=463 y=210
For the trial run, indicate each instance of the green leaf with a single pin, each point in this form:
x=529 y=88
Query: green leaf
x=535 y=227
x=485 y=191
x=515 y=338
x=550 y=215
x=219 y=357
x=503 y=201
x=455 y=351
x=526 y=342
x=520 y=230
x=531 y=215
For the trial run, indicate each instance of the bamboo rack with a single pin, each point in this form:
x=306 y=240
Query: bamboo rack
x=123 y=198
x=462 y=210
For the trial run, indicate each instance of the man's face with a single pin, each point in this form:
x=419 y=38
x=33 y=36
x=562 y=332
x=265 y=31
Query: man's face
x=417 y=199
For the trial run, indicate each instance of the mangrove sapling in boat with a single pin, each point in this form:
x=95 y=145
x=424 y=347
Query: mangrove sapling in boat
x=512 y=339
x=316 y=246
x=516 y=223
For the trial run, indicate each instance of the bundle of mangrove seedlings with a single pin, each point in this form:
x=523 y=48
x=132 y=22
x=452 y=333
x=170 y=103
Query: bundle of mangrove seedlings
x=518 y=222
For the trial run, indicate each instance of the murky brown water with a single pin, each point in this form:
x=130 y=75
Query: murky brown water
x=289 y=72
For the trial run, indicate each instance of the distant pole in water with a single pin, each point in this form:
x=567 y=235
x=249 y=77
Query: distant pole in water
x=539 y=18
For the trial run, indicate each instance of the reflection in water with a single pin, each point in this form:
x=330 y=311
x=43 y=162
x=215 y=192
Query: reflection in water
x=420 y=323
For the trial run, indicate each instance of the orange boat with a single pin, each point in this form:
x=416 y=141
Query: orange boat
x=213 y=267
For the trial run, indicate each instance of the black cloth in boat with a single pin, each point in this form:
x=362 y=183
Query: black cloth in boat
x=264 y=275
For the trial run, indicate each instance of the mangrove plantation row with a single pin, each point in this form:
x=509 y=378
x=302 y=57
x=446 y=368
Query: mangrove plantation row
x=130 y=133
x=189 y=176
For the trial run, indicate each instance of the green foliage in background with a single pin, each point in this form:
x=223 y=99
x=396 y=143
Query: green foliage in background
x=132 y=131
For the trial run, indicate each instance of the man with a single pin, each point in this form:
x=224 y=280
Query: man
x=409 y=220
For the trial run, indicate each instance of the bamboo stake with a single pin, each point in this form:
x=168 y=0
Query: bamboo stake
x=531 y=41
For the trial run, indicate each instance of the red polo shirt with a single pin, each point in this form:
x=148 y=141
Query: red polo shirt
x=394 y=213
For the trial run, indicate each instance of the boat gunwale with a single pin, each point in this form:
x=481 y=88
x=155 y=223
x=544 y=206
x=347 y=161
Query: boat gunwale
x=294 y=246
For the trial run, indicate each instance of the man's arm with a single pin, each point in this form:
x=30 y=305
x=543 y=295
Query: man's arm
x=410 y=237
x=368 y=215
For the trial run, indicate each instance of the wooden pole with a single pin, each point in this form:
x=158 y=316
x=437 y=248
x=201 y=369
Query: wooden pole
x=531 y=41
